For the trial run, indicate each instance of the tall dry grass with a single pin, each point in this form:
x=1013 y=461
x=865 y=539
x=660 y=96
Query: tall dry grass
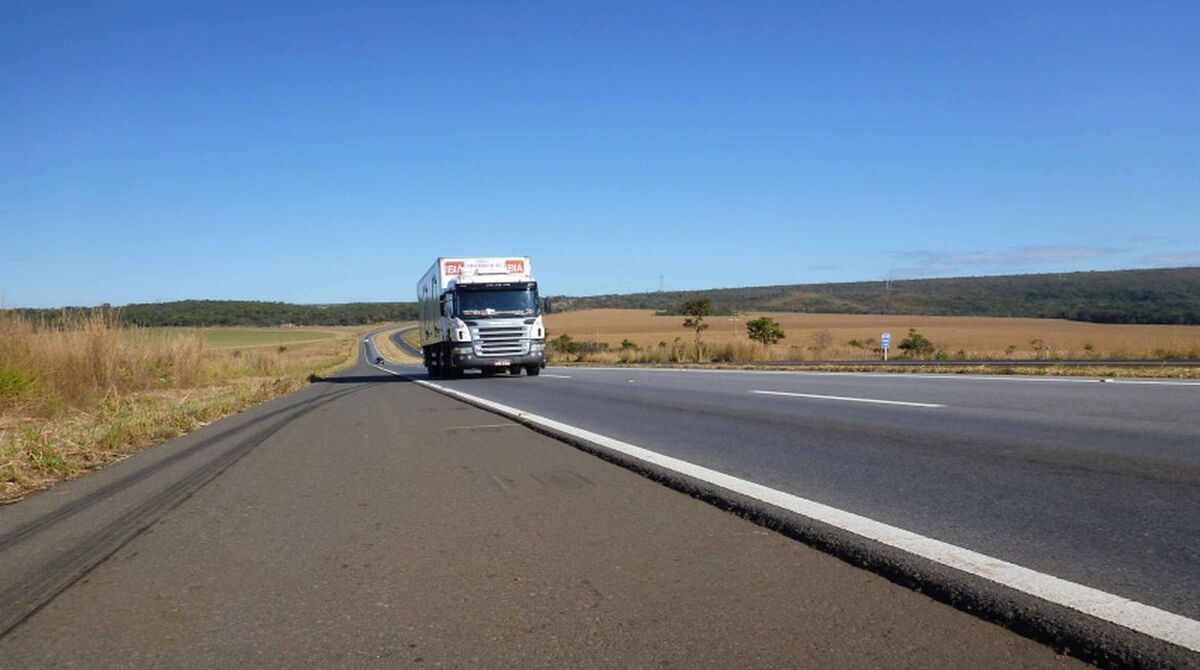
x=79 y=393
x=676 y=351
x=86 y=359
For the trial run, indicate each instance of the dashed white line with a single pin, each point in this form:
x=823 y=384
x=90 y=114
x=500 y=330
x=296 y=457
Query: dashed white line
x=876 y=401
x=545 y=374
x=1159 y=624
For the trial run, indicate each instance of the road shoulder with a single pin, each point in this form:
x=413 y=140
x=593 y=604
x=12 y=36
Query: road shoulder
x=395 y=525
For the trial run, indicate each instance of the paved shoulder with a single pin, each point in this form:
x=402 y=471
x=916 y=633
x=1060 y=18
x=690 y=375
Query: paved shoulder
x=393 y=525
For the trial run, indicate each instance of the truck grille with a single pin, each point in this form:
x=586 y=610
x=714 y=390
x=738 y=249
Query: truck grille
x=502 y=341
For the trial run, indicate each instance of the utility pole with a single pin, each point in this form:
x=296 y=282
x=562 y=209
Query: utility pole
x=660 y=283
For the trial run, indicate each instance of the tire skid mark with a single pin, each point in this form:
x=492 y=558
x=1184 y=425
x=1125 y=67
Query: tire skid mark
x=72 y=508
x=25 y=597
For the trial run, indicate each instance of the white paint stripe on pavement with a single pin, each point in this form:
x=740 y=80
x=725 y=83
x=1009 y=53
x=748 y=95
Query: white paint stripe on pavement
x=849 y=399
x=546 y=374
x=1157 y=623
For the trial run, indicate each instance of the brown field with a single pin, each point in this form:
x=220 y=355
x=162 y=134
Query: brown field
x=77 y=396
x=965 y=337
x=389 y=350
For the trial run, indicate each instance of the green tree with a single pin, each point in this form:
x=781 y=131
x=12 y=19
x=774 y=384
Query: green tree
x=695 y=311
x=916 y=345
x=765 y=331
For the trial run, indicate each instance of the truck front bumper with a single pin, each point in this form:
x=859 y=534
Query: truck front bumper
x=468 y=360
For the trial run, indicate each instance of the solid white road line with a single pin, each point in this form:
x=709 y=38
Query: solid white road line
x=849 y=399
x=546 y=374
x=1157 y=623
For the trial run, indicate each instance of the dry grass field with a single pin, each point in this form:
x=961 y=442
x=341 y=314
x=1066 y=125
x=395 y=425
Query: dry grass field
x=265 y=337
x=77 y=396
x=827 y=336
x=388 y=349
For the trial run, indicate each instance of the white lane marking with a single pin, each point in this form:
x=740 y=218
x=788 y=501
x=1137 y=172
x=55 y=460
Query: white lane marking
x=1156 y=623
x=546 y=374
x=390 y=372
x=948 y=376
x=849 y=399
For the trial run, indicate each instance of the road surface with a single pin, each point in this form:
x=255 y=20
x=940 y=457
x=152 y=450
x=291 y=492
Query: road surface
x=366 y=521
x=1092 y=481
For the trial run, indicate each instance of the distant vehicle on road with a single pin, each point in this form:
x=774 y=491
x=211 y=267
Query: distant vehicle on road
x=481 y=313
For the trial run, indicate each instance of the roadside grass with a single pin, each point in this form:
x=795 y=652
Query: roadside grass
x=87 y=392
x=413 y=339
x=388 y=349
x=815 y=337
x=254 y=337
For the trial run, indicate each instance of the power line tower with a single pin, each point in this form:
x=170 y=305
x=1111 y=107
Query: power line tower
x=660 y=283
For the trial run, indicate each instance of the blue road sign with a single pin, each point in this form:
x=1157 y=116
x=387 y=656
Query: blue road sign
x=885 y=340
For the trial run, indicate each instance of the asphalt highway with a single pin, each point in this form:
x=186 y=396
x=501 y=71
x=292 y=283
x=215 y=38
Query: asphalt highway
x=1097 y=482
x=366 y=521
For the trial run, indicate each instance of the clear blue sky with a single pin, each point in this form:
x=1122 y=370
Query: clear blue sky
x=322 y=154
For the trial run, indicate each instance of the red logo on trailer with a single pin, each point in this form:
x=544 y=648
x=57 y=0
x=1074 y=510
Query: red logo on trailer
x=514 y=267
x=454 y=267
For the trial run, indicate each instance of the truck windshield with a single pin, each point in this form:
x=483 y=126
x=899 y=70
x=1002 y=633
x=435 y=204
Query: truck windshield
x=485 y=302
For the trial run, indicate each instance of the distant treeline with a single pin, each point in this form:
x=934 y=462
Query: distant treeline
x=195 y=313
x=1170 y=296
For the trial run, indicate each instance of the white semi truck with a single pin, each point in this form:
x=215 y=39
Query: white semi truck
x=481 y=313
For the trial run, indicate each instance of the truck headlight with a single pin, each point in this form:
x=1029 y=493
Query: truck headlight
x=463 y=348
x=537 y=345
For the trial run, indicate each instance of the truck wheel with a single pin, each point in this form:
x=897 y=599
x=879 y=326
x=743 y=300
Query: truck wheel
x=533 y=370
x=448 y=369
x=428 y=361
x=438 y=356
